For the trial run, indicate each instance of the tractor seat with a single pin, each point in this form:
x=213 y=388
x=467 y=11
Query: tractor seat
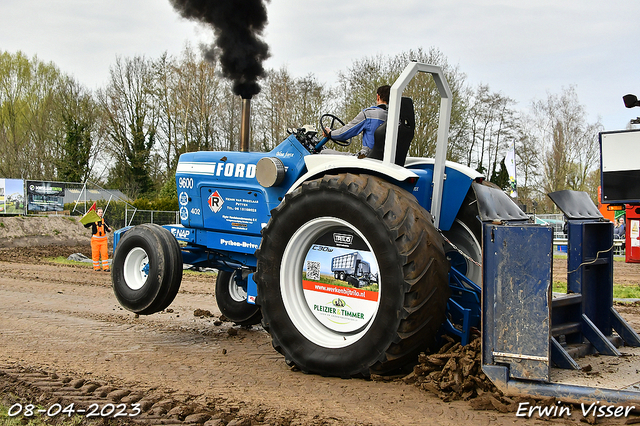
x=406 y=130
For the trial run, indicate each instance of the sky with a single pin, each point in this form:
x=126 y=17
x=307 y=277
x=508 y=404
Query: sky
x=525 y=49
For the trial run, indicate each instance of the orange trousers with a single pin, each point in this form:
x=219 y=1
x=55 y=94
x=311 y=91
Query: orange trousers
x=99 y=249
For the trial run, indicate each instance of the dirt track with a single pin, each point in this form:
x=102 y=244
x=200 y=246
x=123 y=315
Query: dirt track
x=66 y=320
x=64 y=335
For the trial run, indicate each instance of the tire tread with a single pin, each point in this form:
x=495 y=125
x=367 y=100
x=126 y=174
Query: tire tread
x=421 y=252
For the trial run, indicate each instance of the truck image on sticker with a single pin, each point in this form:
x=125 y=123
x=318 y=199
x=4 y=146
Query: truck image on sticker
x=353 y=269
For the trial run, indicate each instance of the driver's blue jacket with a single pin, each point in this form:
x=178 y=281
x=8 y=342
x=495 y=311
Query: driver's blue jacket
x=366 y=122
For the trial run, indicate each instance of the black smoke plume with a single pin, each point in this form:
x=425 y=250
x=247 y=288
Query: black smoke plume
x=237 y=25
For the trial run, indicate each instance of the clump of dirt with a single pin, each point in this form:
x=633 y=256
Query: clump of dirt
x=202 y=313
x=454 y=373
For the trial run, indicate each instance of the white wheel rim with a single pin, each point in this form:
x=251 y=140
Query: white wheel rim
x=236 y=292
x=136 y=268
x=293 y=294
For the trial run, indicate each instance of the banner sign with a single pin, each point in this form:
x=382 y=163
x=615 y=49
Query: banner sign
x=11 y=196
x=45 y=196
x=619 y=167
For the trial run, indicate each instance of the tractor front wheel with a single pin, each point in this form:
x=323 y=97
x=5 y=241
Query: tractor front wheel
x=231 y=298
x=146 y=269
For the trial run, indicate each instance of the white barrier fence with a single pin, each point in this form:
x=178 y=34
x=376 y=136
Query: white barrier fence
x=560 y=246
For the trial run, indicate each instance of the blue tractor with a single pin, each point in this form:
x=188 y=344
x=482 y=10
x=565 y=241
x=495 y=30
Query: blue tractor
x=271 y=223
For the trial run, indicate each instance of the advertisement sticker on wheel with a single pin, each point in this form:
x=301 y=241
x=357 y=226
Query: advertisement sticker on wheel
x=340 y=281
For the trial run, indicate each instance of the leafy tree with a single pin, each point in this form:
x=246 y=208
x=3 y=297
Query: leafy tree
x=45 y=129
x=29 y=127
x=15 y=73
x=501 y=177
x=77 y=147
x=152 y=110
x=169 y=189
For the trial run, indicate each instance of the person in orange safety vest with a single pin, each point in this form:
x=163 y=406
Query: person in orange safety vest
x=99 y=247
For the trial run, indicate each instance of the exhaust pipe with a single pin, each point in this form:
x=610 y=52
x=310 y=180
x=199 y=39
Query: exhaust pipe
x=245 y=125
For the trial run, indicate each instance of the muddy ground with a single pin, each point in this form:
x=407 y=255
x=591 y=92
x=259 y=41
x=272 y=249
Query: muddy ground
x=64 y=339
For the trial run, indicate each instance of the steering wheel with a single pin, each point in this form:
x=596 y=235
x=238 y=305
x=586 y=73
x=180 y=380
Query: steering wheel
x=332 y=126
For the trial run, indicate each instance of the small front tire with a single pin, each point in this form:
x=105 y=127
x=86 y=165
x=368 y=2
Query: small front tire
x=146 y=269
x=232 y=300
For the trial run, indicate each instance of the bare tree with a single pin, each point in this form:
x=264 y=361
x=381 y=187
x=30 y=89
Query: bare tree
x=357 y=88
x=273 y=109
x=199 y=94
x=79 y=113
x=286 y=102
x=132 y=116
x=167 y=132
x=527 y=147
x=569 y=143
x=491 y=126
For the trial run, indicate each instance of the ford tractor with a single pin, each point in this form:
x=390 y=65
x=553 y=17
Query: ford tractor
x=450 y=253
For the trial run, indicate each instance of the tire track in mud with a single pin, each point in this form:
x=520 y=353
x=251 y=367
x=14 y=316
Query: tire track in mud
x=157 y=405
x=97 y=399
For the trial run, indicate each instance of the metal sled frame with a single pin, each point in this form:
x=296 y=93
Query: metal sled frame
x=525 y=329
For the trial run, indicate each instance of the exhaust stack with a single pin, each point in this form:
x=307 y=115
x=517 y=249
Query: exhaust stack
x=245 y=124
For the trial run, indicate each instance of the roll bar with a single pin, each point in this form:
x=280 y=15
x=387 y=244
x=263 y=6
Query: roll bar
x=391 y=136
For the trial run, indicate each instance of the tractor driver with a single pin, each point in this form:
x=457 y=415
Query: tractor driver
x=366 y=122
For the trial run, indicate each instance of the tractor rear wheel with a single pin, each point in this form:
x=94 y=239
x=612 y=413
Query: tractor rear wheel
x=331 y=328
x=466 y=235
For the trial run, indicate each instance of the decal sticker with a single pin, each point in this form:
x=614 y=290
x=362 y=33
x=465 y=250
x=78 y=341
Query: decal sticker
x=340 y=281
x=182 y=234
x=342 y=240
x=215 y=202
x=234 y=243
x=185 y=182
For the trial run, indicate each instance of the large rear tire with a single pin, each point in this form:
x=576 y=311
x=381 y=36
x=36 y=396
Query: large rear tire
x=466 y=235
x=231 y=299
x=146 y=269
x=329 y=328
